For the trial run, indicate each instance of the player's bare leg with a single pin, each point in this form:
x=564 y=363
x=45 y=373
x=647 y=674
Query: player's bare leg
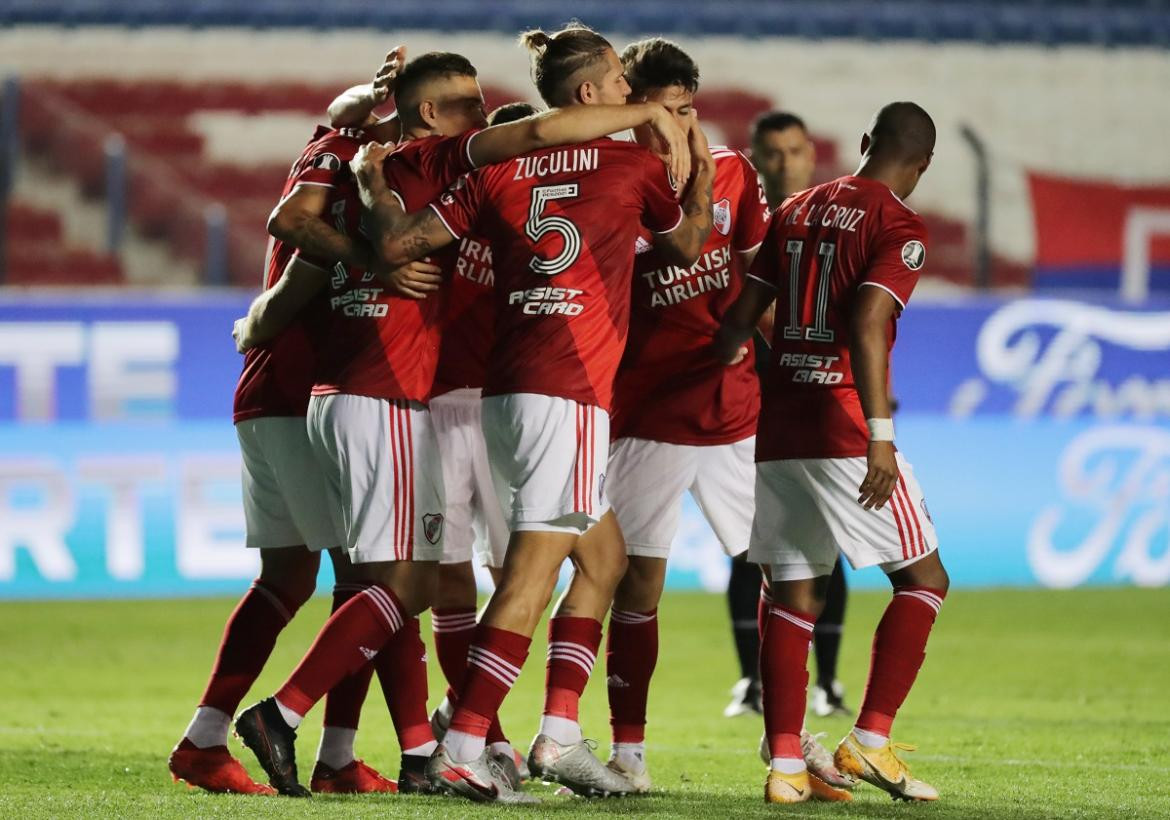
x=394 y=593
x=559 y=750
x=287 y=578
x=631 y=656
x=398 y=666
x=899 y=648
x=496 y=656
x=799 y=768
x=454 y=619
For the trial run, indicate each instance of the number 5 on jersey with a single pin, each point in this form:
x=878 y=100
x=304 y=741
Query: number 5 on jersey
x=539 y=225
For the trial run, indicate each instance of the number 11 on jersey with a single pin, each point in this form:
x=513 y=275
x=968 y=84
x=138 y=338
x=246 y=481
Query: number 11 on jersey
x=818 y=330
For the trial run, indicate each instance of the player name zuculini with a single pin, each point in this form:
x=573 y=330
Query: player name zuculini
x=570 y=161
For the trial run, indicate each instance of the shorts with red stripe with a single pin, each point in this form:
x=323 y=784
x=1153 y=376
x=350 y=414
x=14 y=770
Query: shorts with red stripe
x=548 y=457
x=807 y=512
x=383 y=476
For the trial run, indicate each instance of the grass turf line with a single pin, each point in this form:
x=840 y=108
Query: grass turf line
x=1032 y=704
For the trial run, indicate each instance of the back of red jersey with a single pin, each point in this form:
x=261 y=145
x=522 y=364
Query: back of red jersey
x=376 y=343
x=823 y=245
x=278 y=376
x=562 y=224
x=468 y=316
x=669 y=387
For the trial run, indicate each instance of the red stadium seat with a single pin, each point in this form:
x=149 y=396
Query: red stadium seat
x=26 y=224
x=47 y=264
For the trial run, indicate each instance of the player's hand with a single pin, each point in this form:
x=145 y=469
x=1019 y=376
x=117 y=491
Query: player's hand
x=740 y=355
x=366 y=167
x=881 y=477
x=700 y=150
x=414 y=280
x=677 y=149
x=240 y=335
x=387 y=76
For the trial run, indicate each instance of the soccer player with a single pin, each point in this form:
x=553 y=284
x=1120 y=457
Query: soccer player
x=786 y=158
x=841 y=260
x=368 y=425
x=784 y=155
x=286 y=516
x=681 y=420
x=562 y=226
x=475 y=518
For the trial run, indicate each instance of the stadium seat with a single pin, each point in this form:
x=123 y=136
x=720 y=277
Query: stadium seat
x=47 y=264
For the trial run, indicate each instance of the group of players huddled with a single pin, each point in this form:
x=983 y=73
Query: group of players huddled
x=517 y=336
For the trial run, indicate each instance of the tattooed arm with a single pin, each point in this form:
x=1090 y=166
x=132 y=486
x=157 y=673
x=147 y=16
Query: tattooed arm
x=683 y=245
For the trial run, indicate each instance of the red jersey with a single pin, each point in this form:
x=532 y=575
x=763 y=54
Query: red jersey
x=823 y=245
x=376 y=343
x=562 y=223
x=468 y=316
x=669 y=387
x=278 y=375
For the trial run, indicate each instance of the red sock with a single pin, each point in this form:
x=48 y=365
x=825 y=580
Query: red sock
x=402 y=672
x=248 y=638
x=343 y=704
x=351 y=637
x=763 y=609
x=454 y=629
x=899 y=647
x=493 y=664
x=572 y=651
x=784 y=673
x=630 y=658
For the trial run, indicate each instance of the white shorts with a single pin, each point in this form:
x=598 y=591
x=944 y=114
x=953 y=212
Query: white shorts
x=548 y=458
x=807 y=511
x=382 y=476
x=284 y=490
x=475 y=518
x=647 y=480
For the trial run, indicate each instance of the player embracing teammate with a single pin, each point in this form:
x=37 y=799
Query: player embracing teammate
x=841 y=261
x=368 y=423
x=562 y=225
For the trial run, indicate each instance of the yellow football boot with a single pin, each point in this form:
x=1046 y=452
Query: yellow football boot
x=787 y=788
x=882 y=767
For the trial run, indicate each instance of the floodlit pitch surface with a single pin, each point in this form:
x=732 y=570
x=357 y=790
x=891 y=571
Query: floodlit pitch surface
x=1032 y=704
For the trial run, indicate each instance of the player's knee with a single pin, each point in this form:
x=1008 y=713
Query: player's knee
x=456 y=586
x=293 y=576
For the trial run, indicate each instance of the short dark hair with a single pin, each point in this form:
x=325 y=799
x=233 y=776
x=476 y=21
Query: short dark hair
x=422 y=69
x=510 y=112
x=903 y=132
x=776 y=121
x=658 y=63
x=557 y=57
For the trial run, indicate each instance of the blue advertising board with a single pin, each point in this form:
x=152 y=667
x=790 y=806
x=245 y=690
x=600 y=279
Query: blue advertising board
x=1039 y=428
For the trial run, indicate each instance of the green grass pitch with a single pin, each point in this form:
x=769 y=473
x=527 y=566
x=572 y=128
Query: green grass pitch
x=1032 y=704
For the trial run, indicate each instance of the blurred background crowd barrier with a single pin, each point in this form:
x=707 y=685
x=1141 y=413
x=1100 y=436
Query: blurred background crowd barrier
x=143 y=144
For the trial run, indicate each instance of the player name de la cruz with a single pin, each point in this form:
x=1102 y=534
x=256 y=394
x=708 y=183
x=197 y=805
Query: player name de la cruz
x=830 y=215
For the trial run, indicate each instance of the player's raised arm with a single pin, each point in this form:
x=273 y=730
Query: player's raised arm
x=297 y=220
x=580 y=123
x=683 y=245
x=873 y=312
x=355 y=106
